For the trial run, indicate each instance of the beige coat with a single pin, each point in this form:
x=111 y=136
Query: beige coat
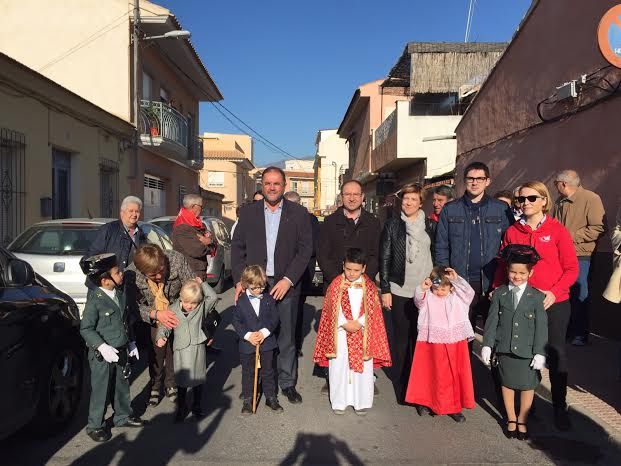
x=582 y=214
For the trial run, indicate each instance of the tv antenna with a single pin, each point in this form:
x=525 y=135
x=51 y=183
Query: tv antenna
x=471 y=7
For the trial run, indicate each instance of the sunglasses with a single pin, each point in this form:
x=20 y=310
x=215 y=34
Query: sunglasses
x=522 y=199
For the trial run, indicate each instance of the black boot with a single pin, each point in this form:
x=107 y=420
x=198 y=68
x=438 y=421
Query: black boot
x=247 y=407
x=273 y=404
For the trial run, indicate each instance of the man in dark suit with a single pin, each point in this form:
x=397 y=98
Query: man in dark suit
x=276 y=234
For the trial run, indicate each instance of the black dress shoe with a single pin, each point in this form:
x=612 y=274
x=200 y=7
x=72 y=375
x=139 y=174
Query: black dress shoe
x=99 y=435
x=292 y=395
x=511 y=433
x=132 y=421
x=521 y=435
x=423 y=410
x=247 y=408
x=458 y=417
x=274 y=405
x=561 y=420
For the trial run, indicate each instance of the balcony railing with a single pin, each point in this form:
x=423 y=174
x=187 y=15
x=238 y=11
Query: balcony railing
x=159 y=120
x=384 y=130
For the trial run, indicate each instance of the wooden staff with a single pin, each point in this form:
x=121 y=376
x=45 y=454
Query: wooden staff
x=257 y=366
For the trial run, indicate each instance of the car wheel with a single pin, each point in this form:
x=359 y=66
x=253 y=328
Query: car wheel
x=219 y=286
x=60 y=390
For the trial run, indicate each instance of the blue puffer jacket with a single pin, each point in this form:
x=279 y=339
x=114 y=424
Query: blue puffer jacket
x=452 y=245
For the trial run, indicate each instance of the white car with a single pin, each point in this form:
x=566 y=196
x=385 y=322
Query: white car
x=54 y=249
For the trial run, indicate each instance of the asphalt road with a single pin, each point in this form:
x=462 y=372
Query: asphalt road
x=309 y=433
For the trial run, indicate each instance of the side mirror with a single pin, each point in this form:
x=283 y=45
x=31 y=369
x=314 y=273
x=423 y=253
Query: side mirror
x=18 y=273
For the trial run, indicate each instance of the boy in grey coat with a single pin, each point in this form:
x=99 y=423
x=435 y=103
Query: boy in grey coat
x=189 y=351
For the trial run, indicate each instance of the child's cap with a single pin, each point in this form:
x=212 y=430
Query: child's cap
x=98 y=264
x=520 y=254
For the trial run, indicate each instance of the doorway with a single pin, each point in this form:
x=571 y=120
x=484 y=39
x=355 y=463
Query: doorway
x=61 y=184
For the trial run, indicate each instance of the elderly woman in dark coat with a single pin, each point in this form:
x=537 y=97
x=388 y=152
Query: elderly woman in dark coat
x=405 y=261
x=159 y=276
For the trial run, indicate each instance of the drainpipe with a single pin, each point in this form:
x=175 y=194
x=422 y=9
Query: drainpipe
x=133 y=172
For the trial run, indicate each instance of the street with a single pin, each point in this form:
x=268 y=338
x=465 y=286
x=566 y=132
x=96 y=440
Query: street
x=310 y=433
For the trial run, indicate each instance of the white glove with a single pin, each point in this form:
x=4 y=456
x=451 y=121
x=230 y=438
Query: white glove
x=109 y=353
x=538 y=362
x=133 y=350
x=486 y=354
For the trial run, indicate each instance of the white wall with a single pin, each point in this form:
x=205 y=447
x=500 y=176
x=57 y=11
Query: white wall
x=331 y=148
x=412 y=130
x=87 y=39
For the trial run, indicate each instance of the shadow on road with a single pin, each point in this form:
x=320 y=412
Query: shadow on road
x=320 y=449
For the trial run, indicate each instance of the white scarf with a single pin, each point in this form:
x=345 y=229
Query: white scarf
x=417 y=238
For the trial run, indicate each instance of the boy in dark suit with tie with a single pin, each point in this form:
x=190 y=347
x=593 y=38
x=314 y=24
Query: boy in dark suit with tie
x=255 y=320
x=106 y=330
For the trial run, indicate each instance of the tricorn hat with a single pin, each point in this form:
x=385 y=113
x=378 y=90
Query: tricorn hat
x=98 y=264
x=520 y=254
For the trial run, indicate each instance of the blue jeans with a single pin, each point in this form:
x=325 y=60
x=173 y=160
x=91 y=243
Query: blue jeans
x=579 y=297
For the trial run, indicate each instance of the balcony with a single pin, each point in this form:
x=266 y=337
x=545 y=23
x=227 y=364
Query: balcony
x=165 y=131
x=403 y=139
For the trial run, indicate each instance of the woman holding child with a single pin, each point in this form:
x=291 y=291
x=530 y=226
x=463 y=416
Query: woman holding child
x=405 y=260
x=159 y=276
x=552 y=275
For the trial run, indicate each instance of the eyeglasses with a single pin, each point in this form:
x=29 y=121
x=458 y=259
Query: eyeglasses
x=472 y=180
x=256 y=288
x=531 y=199
x=198 y=205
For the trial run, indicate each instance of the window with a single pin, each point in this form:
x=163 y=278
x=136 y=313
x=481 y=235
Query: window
x=147 y=84
x=108 y=187
x=12 y=184
x=61 y=184
x=215 y=179
x=181 y=194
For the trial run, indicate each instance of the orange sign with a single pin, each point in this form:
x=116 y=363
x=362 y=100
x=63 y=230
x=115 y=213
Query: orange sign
x=609 y=36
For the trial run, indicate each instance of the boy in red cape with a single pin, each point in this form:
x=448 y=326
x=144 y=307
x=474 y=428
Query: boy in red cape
x=351 y=339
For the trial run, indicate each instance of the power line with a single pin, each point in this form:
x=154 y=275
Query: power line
x=258 y=136
x=104 y=30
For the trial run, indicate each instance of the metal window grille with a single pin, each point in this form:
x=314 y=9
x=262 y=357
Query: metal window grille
x=109 y=187
x=181 y=193
x=12 y=184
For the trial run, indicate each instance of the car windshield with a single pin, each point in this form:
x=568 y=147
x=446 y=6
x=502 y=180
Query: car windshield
x=166 y=225
x=55 y=239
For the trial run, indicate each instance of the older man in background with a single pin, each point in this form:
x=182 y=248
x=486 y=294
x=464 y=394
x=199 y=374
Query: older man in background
x=190 y=236
x=582 y=212
x=121 y=237
x=441 y=195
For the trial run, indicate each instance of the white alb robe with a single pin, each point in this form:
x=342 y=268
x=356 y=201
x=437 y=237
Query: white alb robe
x=347 y=387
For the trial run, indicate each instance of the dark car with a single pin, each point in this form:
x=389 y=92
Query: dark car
x=41 y=352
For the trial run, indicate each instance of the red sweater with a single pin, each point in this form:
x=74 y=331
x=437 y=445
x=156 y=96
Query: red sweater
x=557 y=270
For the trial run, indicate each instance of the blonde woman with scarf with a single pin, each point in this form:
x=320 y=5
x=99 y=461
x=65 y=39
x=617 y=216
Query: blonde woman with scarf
x=405 y=260
x=159 y=276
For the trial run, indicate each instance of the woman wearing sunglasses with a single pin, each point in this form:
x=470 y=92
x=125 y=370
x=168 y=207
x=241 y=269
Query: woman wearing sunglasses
x=553 y=275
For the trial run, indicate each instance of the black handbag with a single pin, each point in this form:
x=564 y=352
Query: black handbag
x=210 y=323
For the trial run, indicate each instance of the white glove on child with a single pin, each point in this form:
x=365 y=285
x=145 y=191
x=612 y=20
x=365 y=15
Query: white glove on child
x=133 y=350
x=486 y=354
x=538 y=362
x=109 y=353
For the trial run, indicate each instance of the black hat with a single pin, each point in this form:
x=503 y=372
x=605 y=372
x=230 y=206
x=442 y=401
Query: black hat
x=98 y=264
x=520 y=254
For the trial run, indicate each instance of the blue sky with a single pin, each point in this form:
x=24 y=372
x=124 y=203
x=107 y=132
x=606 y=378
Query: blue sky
x=289 y=68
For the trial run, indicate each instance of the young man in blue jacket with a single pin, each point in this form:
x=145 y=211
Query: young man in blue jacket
x=469 y=233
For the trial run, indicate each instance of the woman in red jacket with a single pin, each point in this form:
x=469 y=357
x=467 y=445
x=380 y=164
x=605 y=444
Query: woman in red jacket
x=553 y=275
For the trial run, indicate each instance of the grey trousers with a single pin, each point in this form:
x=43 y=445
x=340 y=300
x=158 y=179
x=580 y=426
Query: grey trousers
x=287 y=360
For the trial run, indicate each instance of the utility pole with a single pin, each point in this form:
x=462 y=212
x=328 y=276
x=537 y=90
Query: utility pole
x=136 y=97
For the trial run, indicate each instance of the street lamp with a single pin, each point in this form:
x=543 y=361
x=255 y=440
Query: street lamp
x=335 y=180
x=135 y=38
